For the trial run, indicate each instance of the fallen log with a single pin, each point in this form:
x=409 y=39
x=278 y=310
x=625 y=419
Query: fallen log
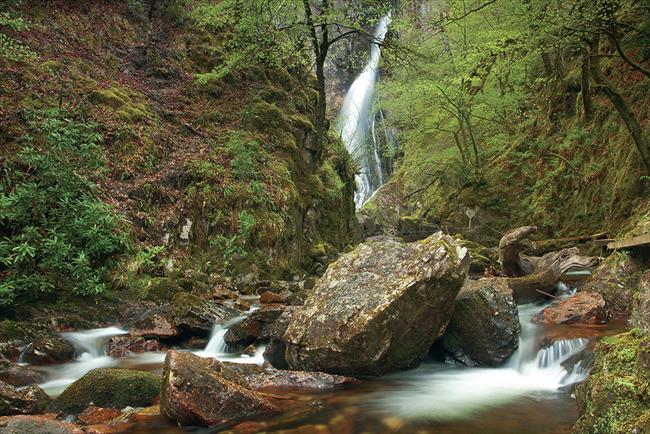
x=530 y=276
x=512 y=244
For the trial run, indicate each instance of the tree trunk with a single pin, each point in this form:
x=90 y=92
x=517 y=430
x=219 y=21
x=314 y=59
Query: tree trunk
x=617 y=100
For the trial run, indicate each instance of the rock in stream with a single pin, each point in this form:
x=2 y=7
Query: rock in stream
x=378 y=308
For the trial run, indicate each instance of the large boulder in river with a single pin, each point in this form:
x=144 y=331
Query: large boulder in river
x=378 y=308
x=204 y=392
x=583 y=308
x=108 y=387
x=484 y=329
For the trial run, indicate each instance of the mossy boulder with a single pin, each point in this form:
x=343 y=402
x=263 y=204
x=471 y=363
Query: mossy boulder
x=484 y=329
x=616 y=397
x=616 y=279
x=112 y=387
x=641 y=309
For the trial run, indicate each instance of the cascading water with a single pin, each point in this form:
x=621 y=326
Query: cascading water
x=356 y=123
x=91 y=347
x=445 y=393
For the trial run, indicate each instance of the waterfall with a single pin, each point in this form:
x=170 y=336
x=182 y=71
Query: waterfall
x=356 y=123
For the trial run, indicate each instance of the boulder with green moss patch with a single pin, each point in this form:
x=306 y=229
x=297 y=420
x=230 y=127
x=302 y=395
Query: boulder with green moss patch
x=616 y=279
x=616 y=397
x=112 y=387
x=378 y=308
x=641 y=309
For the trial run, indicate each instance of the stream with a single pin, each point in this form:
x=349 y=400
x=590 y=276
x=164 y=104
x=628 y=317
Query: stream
x=530 y=393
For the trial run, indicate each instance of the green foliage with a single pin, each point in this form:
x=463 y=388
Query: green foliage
x=257 y=34
x=12 y=49
x=236 y=247
x=57 y=235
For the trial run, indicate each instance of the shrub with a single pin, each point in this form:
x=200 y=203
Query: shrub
x=56 y=234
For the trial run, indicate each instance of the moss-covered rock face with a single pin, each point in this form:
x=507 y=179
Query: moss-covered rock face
x=616 y=397
x=617 y=280
x=641 y=309
x=115 y=388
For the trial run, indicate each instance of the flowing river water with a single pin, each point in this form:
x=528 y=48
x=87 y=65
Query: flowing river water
x=531 y=393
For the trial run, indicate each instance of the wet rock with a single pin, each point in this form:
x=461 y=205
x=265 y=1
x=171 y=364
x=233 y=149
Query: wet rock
x=243 y=333
x=196 y=343
x=275 y=354
x=268 y=297
x=484 y=329
x=204 y=392
x=14 y=336
x=255 y=326
x=378 y=308
x=186 y=315
x=615 y=279
x=275 y=350
x=583 y=308
x=222 y=293
x=614 y=399
x=25 y=401
x=16 y=375
x=250 y=350
x=97 y=415
x=121 y=346
x=191 y=313
x=45 y=424
x=108 y=387
x=48 y=350
x=154 y=324
x=298 y=380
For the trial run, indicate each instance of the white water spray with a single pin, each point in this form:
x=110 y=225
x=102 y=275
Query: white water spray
x=444 y=393
x=356 y=124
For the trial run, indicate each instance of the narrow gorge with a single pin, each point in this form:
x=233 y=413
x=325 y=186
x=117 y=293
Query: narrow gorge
x=349 y=217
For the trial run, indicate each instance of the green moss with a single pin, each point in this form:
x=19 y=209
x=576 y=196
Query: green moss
x=162 y=289
x=264 y=116
x=13 y=331
x=119 y=100
x=616 y=397
x=116 y=388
